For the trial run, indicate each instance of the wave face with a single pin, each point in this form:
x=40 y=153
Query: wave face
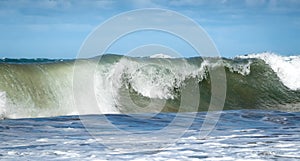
x=41 y=87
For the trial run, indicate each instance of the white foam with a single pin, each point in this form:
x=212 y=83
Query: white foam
x=42 y=140
x=153 y=80
x=240 y=68
x=160 y=55
x=287 y=68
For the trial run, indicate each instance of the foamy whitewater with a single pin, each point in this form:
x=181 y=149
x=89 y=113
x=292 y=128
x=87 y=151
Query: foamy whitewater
x=150 y=108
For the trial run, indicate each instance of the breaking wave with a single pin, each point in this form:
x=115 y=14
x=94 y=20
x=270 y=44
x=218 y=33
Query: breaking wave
x=42 y=87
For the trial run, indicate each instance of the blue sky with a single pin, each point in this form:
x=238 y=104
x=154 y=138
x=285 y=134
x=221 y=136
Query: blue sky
x=56 y=29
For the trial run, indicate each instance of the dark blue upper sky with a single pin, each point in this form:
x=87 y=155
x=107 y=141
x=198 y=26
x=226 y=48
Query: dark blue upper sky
x=56 y=29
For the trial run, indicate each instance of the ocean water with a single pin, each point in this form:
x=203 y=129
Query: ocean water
x=151 y=108
x=239 y=134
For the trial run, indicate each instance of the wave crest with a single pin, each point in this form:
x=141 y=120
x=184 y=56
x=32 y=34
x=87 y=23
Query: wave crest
x=286 y=67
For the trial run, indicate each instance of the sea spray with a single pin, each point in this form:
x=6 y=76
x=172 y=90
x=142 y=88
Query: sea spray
x=2 y=104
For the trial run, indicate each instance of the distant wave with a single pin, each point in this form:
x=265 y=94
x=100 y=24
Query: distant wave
x=42 y=87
